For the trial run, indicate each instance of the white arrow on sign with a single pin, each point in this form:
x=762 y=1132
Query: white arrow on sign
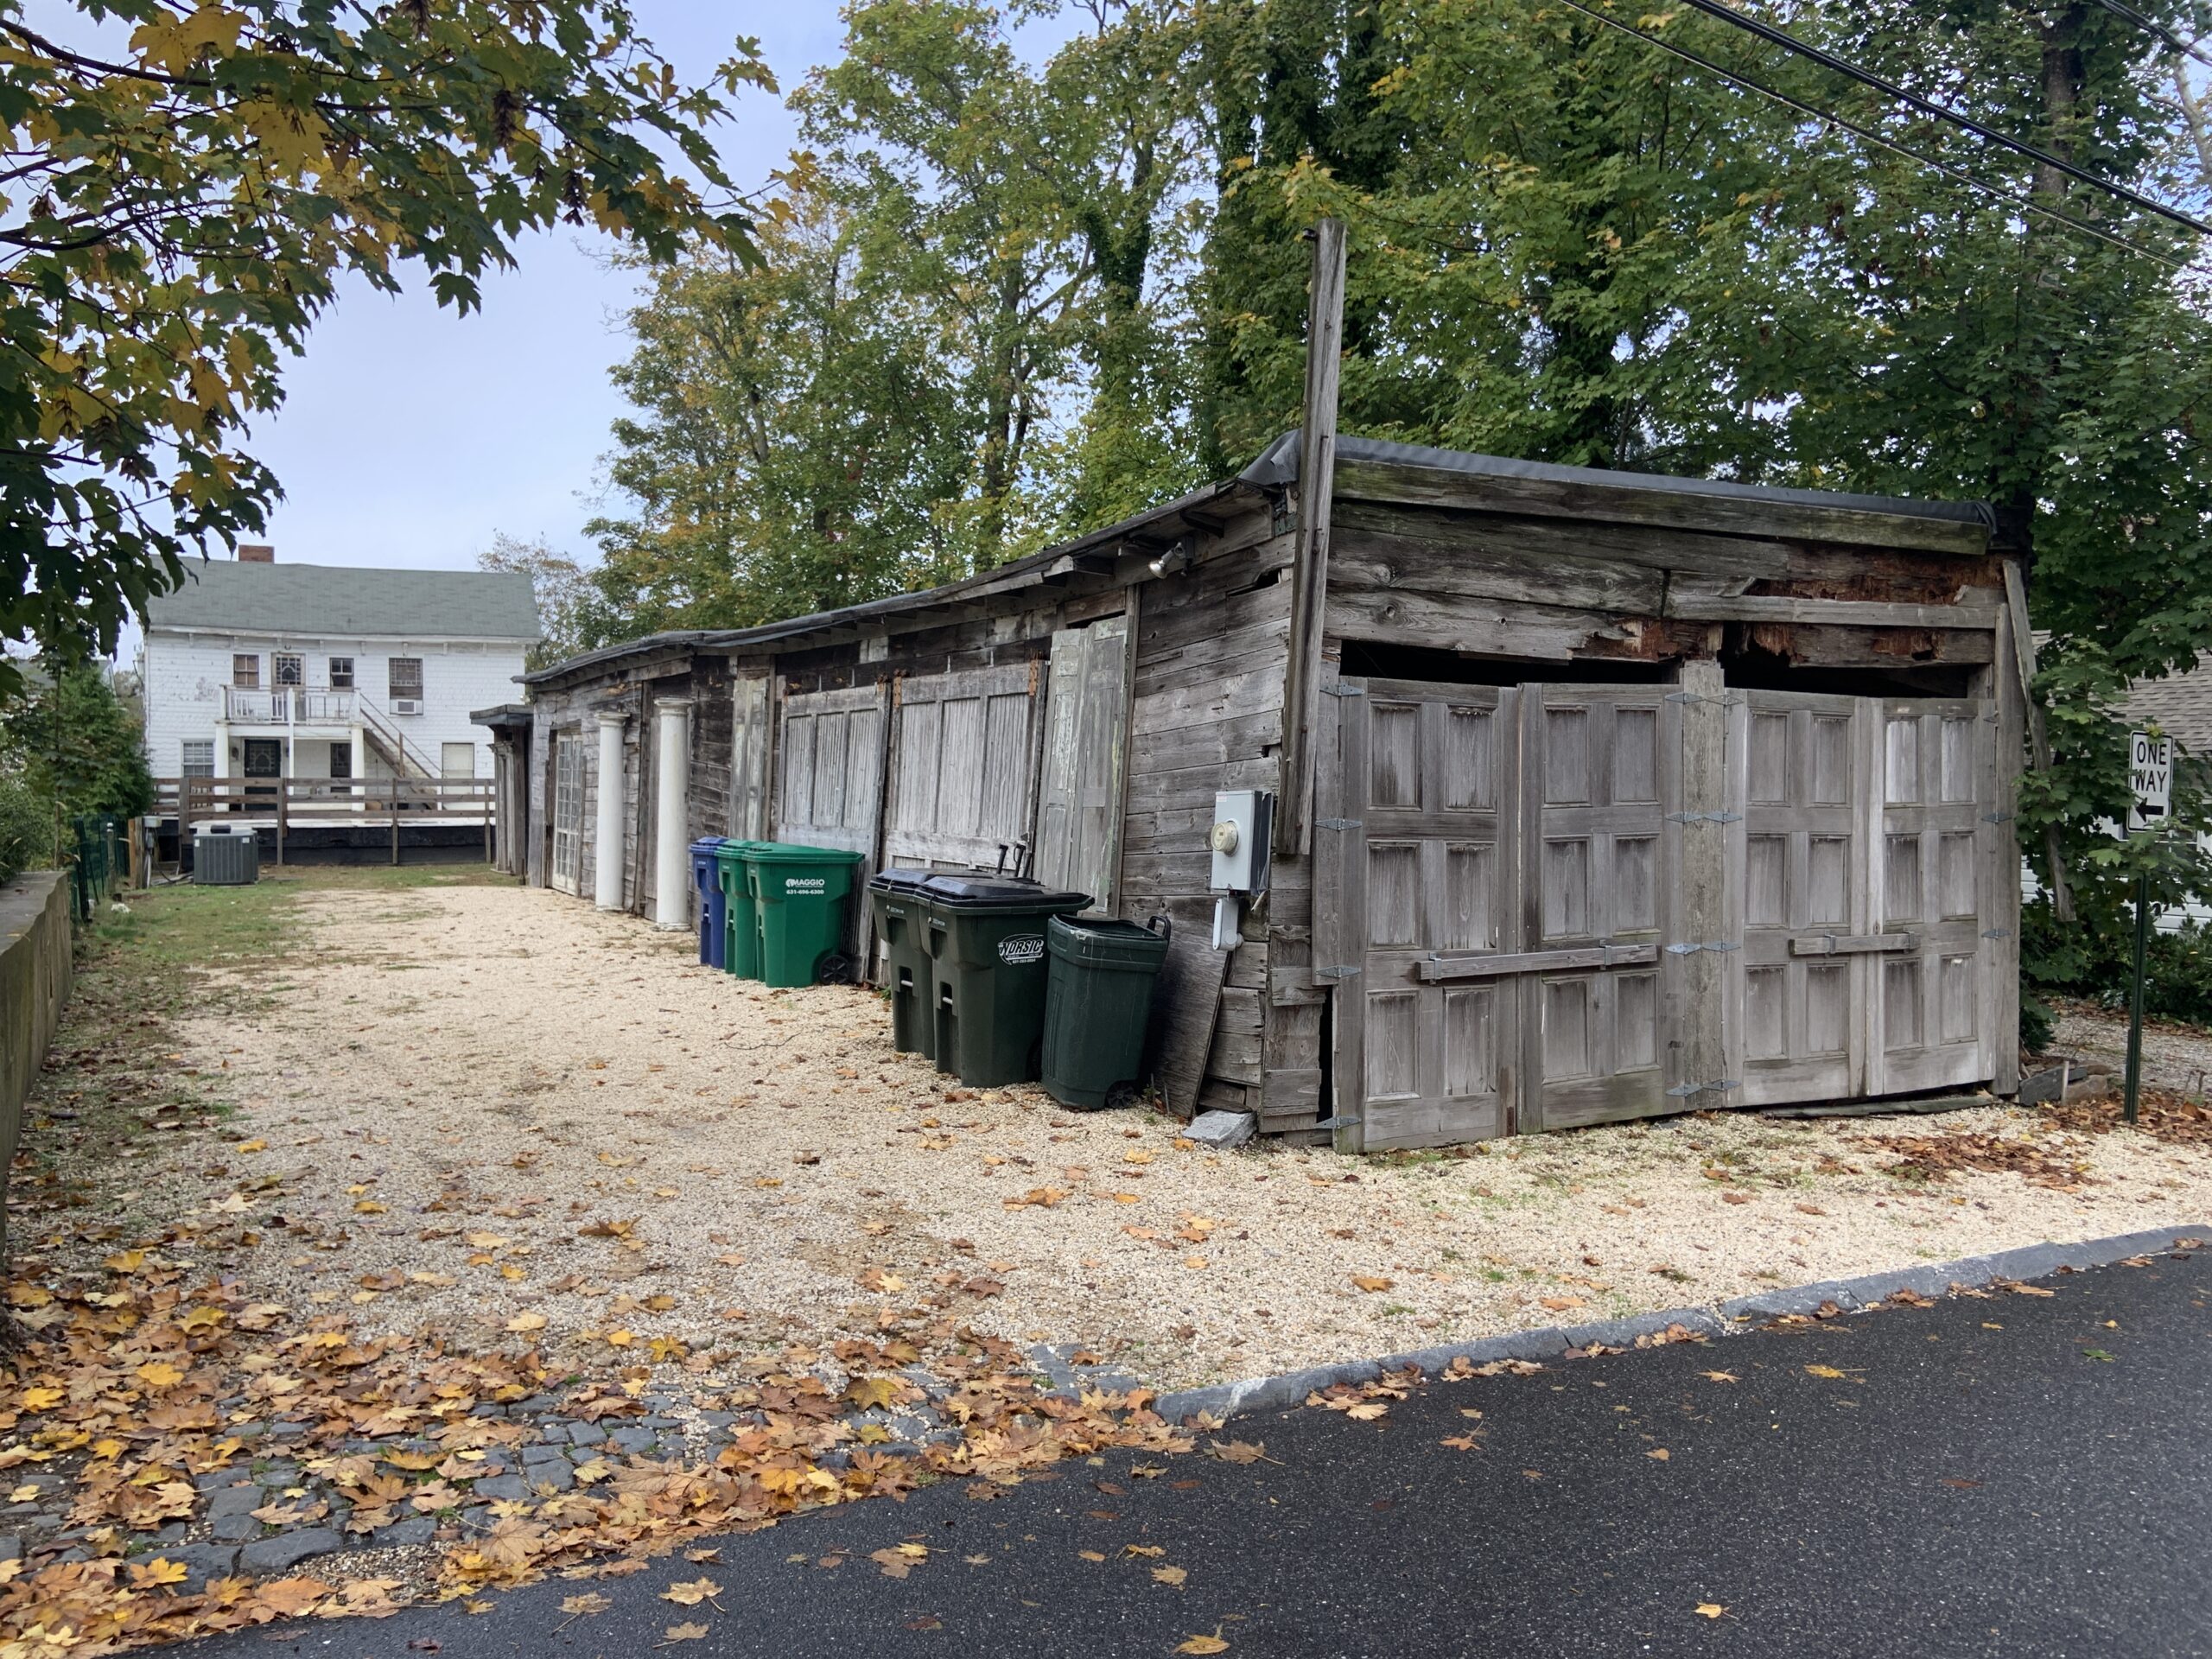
x=2150 y=779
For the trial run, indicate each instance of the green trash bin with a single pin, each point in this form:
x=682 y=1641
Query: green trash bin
x=799 y=899
x=1097 y=1000
x=740 y=919
x=987 y=974
x=902 y=913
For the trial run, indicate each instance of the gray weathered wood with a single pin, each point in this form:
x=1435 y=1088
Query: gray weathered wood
x=1079 y=791
x=2003 y=914
x=1976 y=607
x=1310 y=568
x=1487 y=628
x=1851 y=944
x=1438 y=970
x=963 y=760
x=1694 y=1029
x=1619 y=499
x=1184 y=1005
x=2022 y=660
x=1608 y=551
x=749 y=748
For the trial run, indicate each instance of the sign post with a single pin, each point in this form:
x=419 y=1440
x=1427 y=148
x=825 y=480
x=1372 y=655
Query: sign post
x=2150 y=784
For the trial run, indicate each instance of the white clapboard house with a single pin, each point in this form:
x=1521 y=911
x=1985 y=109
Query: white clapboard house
x=335 y=679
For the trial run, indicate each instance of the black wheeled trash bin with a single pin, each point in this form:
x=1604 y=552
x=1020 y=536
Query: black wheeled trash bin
x=987 y=974
x=1096 y=1001
x=902 y=912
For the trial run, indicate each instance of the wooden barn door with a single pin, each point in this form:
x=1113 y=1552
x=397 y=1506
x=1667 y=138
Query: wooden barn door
x=1865 y=863
x=748 y=758
x=567 y=812
x=961 y=787
x=1598 y=773
x=1802 y=774
x=1932 y=870
x=831 y=746
x=1079 y=789
x=1417 y=918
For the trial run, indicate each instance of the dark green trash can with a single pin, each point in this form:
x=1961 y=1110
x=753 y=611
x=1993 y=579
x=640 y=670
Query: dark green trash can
x=902 y=912
x=740 y=919
x=987 y=974
x=800 y=896
x=1097 y=1003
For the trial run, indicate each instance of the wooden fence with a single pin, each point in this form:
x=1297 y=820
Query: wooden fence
x=289 y=804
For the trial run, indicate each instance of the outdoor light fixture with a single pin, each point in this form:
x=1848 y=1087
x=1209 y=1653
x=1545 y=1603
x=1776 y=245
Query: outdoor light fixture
x=1181 y=556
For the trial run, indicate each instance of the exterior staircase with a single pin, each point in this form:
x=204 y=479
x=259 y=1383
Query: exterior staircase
x=408 y=764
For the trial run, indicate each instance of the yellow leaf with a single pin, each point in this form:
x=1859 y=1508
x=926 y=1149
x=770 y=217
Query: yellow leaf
x=1169 y=1574
x=126 y=1261
x=1710 y=1610
x=585 y=1605
x=487 y=1241
x=872 y=1392
x=621 y=1338
x=1369 y=1283
x=1658 y=1454
x=160 y=1374
x=1126 y=1197
x=364 y=1207
x=24 y=1494
x=160 y=1570
x=1204 y=1645
x=42 y=1399
x=1828 y=1371
x=522 y=1322
x=1137 y=1155
x=253 y=1145
x=1718 y=1376
x=1091 y=1555
x=691 y=1593
x=683 y=1632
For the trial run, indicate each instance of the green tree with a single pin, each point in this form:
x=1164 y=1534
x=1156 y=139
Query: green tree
x=568 y=601
x=798 y=441
x=76 y=747
x=178 y=210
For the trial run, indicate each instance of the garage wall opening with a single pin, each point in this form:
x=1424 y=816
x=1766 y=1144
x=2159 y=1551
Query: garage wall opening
x=1755 y=669
x=1368 y=658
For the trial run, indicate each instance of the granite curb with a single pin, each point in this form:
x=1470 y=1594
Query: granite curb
x=1731 y=1318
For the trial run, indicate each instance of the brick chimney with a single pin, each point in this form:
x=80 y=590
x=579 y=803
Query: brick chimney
x=257 y=553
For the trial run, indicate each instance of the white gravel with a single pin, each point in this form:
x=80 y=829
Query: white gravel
x=456 y=1082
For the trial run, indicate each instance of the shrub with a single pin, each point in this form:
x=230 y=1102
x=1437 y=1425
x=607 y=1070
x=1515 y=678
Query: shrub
x=26 y=827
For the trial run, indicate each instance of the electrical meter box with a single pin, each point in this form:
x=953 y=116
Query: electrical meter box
x=1243 y=827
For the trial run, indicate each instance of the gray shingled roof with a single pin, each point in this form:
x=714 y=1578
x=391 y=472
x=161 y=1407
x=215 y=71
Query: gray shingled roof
x=2180 y=705
x=322 y=598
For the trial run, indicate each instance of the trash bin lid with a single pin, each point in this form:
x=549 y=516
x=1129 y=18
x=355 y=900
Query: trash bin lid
x=901 y=879
x=707 y=844
x=999 y=892
x=730 y=850
x=779 y=852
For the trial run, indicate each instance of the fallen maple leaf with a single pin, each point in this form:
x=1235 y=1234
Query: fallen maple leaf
x=1710 y=1610
x=1658 y=1454
x=1091 y=1555
x=1461 y=1442
x=872 y=1392
x=585 y=1605
x=1237 y=1451
x=896 y=1563
x=682 y=1633
x=1828 y=1372
x=1369 y=1283
x=1169 y=1574
x=522 y=1322
x=1720 y=1376
x=692 y=1594
x=1204 y=1645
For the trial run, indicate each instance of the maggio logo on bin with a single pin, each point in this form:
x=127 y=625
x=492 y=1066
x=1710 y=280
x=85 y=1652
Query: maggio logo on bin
x=805 y=883
x=1021 y=947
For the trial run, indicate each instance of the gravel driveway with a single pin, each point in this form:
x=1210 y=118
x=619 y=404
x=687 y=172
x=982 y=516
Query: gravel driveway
x=481 y=1104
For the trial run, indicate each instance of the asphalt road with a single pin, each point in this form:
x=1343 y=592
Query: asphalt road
x=2017 y=1476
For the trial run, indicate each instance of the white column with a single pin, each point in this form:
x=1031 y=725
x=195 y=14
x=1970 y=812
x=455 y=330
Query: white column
x=607 y=851
x=672 y=846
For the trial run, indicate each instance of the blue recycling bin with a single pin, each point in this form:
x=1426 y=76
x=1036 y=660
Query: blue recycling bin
x=714 y=904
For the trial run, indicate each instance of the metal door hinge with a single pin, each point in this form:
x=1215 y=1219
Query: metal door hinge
x=1339 y=824
x=1336 y=973
x=1339 y=1123
x=1340 y=690
x=1724 y=700
x=1996 y=933
x=1710 y=944
x=1997 y=817
x=1704 y=817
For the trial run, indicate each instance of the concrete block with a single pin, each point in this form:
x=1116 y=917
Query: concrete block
x=1223 y=1130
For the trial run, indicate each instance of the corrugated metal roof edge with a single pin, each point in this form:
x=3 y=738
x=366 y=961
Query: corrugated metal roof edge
x=1035 y=565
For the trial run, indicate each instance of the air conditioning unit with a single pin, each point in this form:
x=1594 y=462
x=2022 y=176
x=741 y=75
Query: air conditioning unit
x=407 y=705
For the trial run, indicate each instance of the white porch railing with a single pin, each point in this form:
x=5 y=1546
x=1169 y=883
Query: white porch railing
x=287 y=705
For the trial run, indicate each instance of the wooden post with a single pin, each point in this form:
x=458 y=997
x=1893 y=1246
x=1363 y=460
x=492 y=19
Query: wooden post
x=1700 y=1022
x=1309 y=570
x=391 y=802
x=283 y=788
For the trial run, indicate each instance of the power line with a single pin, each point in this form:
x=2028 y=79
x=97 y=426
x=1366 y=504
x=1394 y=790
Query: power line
x=2012 y=199
x=2036 y=152
x=2188 y=48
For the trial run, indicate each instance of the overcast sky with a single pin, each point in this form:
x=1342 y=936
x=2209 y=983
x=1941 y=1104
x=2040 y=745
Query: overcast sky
x=409 y=435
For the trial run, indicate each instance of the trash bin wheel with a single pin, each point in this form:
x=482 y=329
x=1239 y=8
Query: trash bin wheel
x=833 y=970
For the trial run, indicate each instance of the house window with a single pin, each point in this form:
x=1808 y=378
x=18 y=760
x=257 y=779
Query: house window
x=341 y=673
x=246 y=670
x=287 y=667
x=405 y=678
x=342 y=760
x=457 y=759
x=198 y=756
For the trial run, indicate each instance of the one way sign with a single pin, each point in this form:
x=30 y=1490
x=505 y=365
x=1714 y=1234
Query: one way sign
x=2150 y=778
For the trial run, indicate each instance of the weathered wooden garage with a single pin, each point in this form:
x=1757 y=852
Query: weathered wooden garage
x=1597 y=795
